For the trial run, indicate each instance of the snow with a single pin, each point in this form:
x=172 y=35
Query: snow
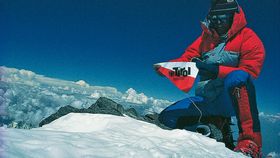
x=99 y=135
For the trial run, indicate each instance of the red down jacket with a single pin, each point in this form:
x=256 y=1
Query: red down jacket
x=240 y=39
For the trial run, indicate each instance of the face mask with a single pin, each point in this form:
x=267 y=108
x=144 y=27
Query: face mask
x=220 y=23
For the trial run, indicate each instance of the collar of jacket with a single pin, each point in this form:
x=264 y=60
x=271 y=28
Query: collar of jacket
x=239 y=22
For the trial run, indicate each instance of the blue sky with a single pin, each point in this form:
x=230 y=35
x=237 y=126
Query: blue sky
x=116 y=42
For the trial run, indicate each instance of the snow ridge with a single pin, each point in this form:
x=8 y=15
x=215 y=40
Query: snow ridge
x=99 y=135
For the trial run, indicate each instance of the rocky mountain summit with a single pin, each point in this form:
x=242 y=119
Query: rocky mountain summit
x=103 y=106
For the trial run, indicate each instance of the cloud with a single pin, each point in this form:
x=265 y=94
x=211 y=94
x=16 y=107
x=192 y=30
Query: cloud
x=26 y=73
x=131 y=96
x=82 y=83
x=17 y=76
x=151 y=104
x=270 y=117
x=95 y=95
x=28 y=97
x=2 y=102
x=273 y=155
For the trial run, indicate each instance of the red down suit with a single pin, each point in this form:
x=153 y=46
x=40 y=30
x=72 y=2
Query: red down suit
x=240 y=58
x=241 y=39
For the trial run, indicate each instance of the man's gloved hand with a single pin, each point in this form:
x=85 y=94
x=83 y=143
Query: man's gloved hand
x=156 y=67
x=206 y=71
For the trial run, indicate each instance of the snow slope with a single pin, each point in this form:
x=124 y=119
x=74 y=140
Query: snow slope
x=97 y=135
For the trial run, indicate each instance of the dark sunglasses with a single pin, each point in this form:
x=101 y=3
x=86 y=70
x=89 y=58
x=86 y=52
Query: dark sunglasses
x=216 y=19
